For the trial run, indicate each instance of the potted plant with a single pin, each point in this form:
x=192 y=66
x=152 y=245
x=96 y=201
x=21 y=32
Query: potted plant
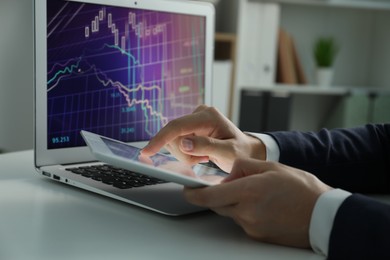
x=325 y=52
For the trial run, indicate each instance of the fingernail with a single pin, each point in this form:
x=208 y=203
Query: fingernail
x=187 y=144
x=204 y=160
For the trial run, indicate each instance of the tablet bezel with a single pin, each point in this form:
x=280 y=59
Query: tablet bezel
x=102 y=152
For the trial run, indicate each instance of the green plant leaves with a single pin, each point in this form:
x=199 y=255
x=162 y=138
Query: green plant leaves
x=325 y=51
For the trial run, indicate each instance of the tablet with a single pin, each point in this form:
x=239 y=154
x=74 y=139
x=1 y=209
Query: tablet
x=161 y=166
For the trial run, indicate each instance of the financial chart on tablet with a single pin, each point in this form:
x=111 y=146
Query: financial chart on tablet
x=120 y=72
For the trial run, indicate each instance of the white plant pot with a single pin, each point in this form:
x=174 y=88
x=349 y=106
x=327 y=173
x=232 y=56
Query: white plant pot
x=324 y=76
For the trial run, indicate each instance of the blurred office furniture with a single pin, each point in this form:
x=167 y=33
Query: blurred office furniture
x=263 y=111
x=223 y=72
x=359 y=26
x=381 y=108
x=359 y=108
x=280 y=108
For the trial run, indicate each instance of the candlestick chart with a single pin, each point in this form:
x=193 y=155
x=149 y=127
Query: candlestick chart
x=120 y=72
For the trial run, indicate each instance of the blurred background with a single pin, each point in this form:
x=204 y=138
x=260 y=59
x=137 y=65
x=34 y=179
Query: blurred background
x=279 y=65
x=16 y=75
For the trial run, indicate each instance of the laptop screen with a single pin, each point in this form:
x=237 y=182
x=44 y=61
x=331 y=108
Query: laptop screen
x=120 y=72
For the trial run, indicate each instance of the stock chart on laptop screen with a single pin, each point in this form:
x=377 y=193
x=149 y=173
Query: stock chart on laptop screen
x=120 y=72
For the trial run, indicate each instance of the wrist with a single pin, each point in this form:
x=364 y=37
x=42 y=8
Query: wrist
x=271 y=151
x=257 y=148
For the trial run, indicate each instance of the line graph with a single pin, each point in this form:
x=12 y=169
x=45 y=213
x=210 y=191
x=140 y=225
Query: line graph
x=120 y=72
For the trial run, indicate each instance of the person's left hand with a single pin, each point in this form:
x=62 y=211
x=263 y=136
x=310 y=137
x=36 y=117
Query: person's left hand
x=205 y=135
x=272 y=202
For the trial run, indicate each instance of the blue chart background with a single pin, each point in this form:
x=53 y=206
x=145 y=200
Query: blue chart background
x=120 y=72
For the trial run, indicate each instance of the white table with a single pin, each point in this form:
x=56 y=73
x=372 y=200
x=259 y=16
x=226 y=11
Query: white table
x=42 y=219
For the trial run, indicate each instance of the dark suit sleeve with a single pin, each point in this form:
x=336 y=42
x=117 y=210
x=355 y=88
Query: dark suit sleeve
x=361 y=230
x=354 y=159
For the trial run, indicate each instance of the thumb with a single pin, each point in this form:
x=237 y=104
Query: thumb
x=205 y=146
x=243 y=167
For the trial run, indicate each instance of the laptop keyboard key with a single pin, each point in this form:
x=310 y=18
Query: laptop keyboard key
x=119 y=178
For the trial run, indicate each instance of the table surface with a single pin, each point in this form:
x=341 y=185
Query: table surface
x=44 y=219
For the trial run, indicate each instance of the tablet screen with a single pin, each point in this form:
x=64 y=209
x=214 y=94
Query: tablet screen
x=205 y=173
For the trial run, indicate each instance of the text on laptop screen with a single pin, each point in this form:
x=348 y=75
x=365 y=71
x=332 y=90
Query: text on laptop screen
x=120 y=72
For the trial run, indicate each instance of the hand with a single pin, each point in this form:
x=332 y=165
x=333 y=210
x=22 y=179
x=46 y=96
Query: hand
x=206 y=135
x=272 y=202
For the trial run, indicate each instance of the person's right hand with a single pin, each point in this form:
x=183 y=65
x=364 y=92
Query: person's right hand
x=272 y=202
x=206 y=135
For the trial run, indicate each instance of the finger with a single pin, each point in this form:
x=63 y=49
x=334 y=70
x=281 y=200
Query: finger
x=221 y=195
x=221 y=152
x=185 y=125
x=227 y=211
x=173 y=148
x=189 y=159
x=200 y=108
x=204 y=145
x=245 y=167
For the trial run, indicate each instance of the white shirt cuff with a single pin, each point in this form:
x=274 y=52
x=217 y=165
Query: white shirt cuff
x=272 y=148
x=325 y=208
x=322 y=219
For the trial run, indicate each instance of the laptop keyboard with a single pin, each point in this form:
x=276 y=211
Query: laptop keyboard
x=117 y=177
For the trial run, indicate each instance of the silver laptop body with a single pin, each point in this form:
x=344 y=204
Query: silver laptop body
x=121 y=69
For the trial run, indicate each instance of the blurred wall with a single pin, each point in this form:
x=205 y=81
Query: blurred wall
x=16 y=75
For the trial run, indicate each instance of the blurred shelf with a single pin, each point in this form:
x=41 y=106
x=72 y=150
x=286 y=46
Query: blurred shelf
x=225 y=46
x=225 y=49
x=319 y=90
x=362 y=4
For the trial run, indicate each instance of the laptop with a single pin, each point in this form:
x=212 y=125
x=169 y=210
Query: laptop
x=121 y=69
